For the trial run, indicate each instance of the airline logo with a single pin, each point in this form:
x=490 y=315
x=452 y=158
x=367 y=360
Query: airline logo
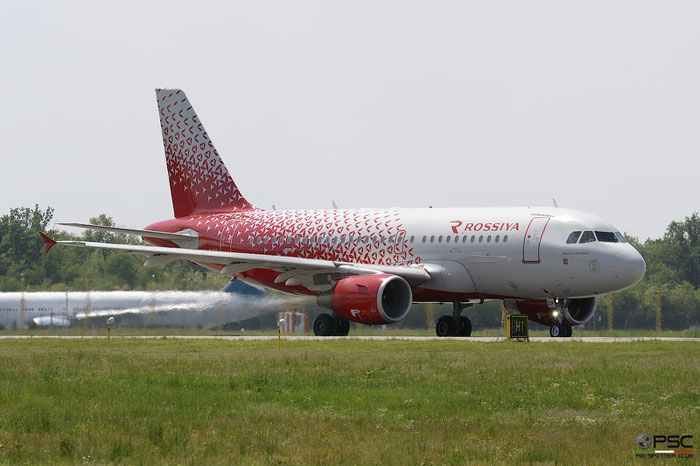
x=457 y=226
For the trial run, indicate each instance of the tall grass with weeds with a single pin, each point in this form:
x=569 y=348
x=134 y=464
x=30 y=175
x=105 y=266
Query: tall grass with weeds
x=340 y=401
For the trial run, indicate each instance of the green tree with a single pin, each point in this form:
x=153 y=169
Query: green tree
x=99 y=236
x=20 y=244
x=683 y=239
x=122 y=267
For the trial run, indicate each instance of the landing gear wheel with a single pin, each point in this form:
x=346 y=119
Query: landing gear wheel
x=567 y=330
x=556 y=330
x=465 y=326
x=446 y=326
x=343 y=327
x=324 y=325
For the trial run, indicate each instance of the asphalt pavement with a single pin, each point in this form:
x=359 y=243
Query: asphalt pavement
x=376 y=338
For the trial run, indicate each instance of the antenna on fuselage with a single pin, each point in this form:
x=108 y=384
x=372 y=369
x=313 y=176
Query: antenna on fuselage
x=334 y=205
x=273 y=207
x=554 y=201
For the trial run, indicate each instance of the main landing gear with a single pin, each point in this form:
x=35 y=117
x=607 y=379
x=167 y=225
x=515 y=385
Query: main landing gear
x=560 y=330
x=455 y=325
x=328 y=325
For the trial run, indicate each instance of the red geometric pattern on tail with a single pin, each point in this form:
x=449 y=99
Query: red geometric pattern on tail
x=199 y=180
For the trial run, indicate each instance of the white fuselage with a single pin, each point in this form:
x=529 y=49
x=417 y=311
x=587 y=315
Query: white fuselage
x=470 y=253
x=520 y=252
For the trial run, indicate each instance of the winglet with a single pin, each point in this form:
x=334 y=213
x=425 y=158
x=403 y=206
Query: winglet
x=48 y=242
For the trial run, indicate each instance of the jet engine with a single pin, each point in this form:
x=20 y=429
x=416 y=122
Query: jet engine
x=369 y=299
x=574 y=311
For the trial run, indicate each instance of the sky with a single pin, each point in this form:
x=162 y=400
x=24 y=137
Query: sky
x=365 y=103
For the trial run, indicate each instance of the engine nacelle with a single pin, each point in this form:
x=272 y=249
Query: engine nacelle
x=575 y=311
x=369 y=299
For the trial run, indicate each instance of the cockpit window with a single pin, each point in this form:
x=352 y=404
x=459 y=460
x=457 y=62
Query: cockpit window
x=606 y=237
x=621 y=237
x=587 y=237
x=573 y=237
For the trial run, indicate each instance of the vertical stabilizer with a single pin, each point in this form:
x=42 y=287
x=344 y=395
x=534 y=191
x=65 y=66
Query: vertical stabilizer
x=199 y=180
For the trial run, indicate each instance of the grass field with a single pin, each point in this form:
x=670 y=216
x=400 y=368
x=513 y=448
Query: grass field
x=341 y=401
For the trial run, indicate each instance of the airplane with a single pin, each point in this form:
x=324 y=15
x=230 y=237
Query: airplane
x=237 y=301
x=369 y=265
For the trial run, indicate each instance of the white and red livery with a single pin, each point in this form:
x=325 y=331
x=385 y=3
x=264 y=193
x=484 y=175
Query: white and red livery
x=369 y=265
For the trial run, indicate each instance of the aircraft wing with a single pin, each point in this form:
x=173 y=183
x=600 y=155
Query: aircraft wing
x=294 y=270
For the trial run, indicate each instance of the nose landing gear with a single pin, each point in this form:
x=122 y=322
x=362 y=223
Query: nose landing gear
x=455 y=325
x=560 y=330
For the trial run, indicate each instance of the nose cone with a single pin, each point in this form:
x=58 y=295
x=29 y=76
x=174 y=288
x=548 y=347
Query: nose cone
x=630 y=266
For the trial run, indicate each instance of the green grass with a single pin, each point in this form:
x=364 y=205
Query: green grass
x=341 y=401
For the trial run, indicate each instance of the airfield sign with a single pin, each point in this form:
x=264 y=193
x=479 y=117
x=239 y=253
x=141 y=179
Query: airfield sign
x=517 y=327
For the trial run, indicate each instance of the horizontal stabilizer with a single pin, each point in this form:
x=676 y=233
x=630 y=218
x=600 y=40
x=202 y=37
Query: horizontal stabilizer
x=133 y=231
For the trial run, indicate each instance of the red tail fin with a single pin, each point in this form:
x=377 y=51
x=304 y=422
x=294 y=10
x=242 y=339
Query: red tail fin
x=199 y=180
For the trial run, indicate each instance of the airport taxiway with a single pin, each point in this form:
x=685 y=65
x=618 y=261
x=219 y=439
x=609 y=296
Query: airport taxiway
x=362 y=337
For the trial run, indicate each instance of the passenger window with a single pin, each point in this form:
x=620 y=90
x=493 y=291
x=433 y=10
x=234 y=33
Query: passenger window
x=447 y=239
x=505 y=239
x=481 y=238
x=488 y=239
x=440 y=239
x=587 y=237
x=464 y=238
x=498 y=238
x=412 y=238
x=573 y=237
x=606 y=236
x=432 y=239
x=473 y=238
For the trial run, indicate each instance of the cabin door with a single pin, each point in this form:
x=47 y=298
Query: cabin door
x=533 y=239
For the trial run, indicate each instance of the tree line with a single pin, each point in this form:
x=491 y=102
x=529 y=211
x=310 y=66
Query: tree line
x=24 y=265
x=672 y=279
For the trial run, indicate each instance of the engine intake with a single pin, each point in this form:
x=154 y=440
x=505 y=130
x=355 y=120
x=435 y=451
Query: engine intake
x=575 y=311
x=369 y=299
x=580 y=311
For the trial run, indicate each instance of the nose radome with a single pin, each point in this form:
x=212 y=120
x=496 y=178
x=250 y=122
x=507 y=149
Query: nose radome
x=639 y=267
x=633 y=265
